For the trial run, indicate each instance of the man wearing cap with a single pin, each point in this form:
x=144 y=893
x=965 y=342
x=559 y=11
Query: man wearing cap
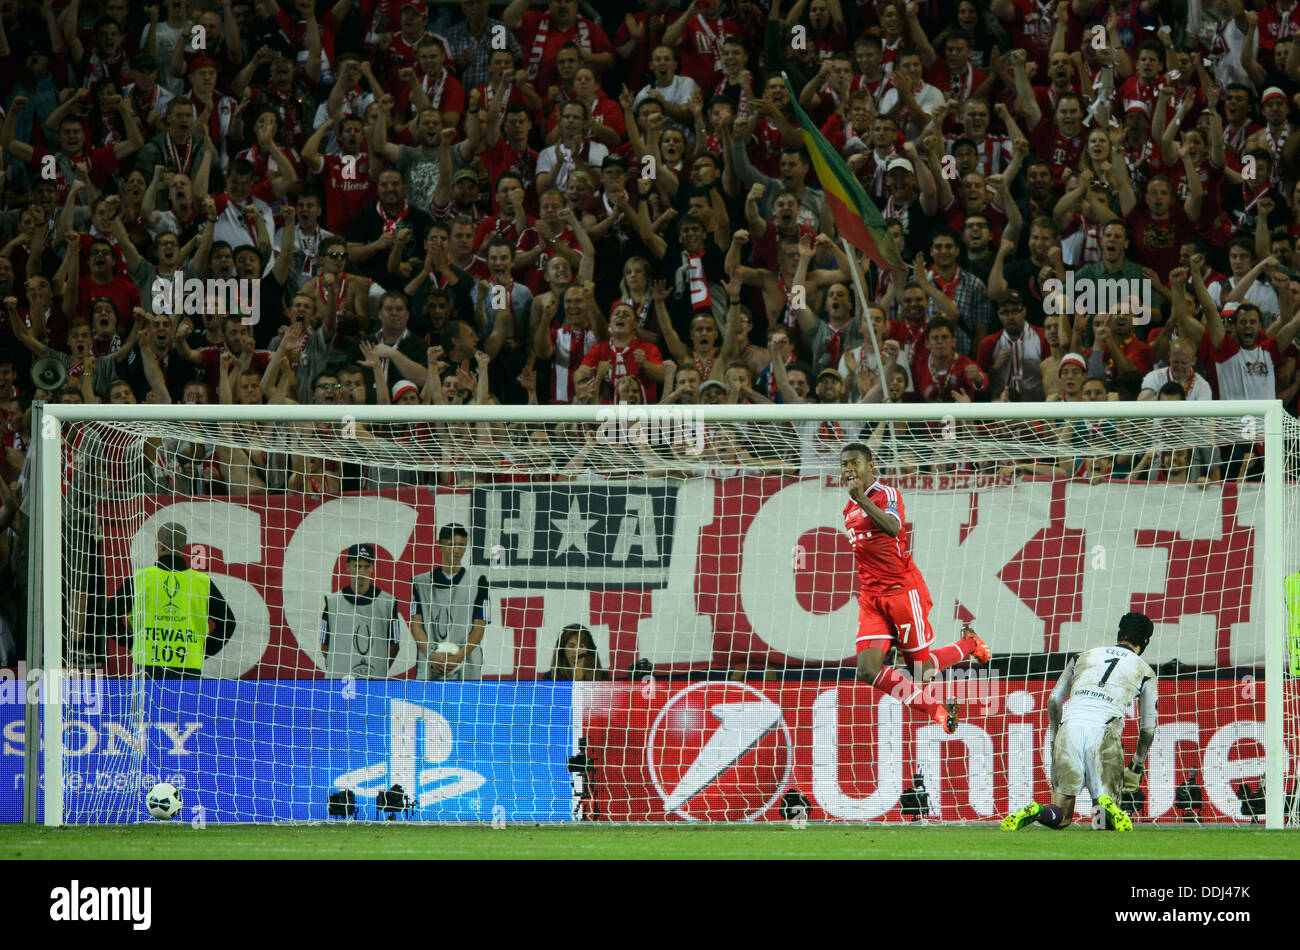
x=360 y=628
x=176 y=616
x=148 y=99
x=913 y=201
x=1274 y=136
x=450 y=611
x=210 y=104
x=1140 y=151
x=457 y=197
x=1012 y=358
x=225 y=53
x=1072 y=372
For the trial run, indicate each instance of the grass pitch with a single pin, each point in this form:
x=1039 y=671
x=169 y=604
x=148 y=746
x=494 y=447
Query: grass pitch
x=780 y=841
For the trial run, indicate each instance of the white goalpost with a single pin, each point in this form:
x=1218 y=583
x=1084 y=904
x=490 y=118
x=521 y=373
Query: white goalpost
x=632 y=613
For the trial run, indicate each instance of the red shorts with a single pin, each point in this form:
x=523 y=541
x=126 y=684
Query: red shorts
x=900 y=616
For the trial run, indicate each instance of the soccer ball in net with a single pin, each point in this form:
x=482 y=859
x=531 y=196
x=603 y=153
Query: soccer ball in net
x=163 y=801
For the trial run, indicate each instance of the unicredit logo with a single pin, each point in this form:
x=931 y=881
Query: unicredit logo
x=719 y=752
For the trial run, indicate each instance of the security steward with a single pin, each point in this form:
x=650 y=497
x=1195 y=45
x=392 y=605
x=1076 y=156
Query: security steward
x=176 y=615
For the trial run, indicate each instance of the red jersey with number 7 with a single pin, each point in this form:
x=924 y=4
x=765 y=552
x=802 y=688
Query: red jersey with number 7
x=883 y=562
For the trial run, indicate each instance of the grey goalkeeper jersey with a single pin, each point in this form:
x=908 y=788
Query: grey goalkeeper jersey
x=1100 y=684
x=447 y=607
x=356 y=632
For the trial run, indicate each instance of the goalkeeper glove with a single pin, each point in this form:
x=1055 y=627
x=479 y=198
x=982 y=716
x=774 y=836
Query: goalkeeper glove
x=1133 y=777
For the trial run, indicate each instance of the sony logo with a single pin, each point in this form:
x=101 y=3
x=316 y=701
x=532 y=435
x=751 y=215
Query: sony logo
x=81 y=737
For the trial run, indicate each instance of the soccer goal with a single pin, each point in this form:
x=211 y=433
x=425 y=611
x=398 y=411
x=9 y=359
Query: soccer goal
x=508 y=613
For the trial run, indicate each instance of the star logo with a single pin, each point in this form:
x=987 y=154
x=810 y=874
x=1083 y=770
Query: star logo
x=574 y=529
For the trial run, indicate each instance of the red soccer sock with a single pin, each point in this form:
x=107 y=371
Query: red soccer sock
x=945 y=657
x=906 y=691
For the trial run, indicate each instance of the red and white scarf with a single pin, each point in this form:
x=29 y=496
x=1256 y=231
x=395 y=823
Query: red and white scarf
x=435 y=94
x=959 y=87
x=701 y=299
x=742 y=103
x=710 y=42
x=1250 y=200
x=1275 y=146
x=948 y=287
x=876 y=89
x=834 y=346
x=787 y=315
x=1236 y=141
x=539 y=43
x=642 y=309
x=379 y=23
x=390 y=224
x=572 y=345
x=182 y=168
x=341 y=285
x=940 y=379
x=704 y=367
x=1020 y=349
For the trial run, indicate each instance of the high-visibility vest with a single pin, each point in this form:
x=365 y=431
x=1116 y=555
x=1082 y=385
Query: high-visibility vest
x=169 y=619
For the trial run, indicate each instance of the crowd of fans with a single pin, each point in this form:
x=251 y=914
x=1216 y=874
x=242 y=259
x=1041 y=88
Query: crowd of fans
x=542 y=203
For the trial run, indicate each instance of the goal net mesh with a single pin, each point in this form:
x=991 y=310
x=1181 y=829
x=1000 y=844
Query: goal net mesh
x=649 y=618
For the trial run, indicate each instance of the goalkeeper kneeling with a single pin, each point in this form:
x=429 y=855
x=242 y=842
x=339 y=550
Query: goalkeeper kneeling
x=1086 y=718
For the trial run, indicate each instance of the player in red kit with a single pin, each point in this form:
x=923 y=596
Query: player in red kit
x=895 y=602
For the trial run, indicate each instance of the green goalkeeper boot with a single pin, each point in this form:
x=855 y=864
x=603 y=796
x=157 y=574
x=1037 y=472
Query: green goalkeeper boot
x=1119 y=820
x=1026 y=816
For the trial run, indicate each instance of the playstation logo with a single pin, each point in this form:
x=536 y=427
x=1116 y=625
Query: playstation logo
x=719 y=752
x=412 y=763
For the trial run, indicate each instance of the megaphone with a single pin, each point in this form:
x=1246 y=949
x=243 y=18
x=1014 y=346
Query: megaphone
x=49 y=373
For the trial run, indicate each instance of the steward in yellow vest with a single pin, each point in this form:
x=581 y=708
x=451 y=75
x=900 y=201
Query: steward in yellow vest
x=175 y=615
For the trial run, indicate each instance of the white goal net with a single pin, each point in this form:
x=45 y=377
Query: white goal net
x=532 y=614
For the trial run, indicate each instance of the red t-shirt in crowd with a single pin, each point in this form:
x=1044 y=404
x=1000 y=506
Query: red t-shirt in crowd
x=623 y=363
